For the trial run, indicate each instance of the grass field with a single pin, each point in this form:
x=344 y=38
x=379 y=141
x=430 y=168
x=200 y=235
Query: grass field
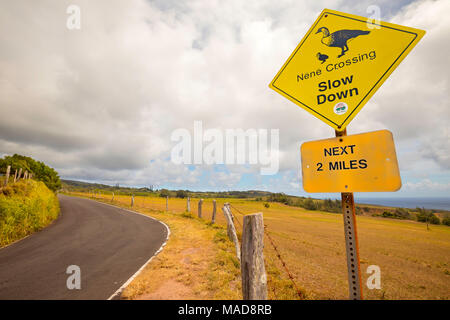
x=414 y=261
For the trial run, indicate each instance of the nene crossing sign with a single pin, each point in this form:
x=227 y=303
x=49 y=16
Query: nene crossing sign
x=361 y=162
x=341 y=63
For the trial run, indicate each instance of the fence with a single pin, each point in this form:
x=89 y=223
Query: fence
x=239 y=225
x=17 y=176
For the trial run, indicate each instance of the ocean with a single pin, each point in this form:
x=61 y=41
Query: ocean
x=427 y=203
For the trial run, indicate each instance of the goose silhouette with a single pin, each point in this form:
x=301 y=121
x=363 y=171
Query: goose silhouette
x=339 y=38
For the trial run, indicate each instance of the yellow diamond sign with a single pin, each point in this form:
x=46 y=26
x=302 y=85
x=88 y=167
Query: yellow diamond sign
x=341 y=63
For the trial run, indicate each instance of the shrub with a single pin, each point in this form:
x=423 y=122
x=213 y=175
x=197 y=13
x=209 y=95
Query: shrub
x=402 y=213
x=446 y=221
x=434 y=220
x=164 y=193
x=181 y=194
x=387 y=214
x=399 y=213
x=25 y=207
x=309 y=204
x=266 y=205
x=329 y=205
x=424 y=215
x=279 y=197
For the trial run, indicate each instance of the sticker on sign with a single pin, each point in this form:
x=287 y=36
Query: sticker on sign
x=364 y=162
x=340 y=63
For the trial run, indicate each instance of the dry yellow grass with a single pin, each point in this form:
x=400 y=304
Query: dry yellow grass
x=414 y=261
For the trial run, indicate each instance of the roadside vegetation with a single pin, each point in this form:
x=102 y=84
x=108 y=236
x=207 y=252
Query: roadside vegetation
x=40 y=170
x=25 y=207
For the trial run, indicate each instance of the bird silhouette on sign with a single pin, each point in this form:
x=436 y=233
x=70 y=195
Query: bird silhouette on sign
x=322 y=57
x=339 y=38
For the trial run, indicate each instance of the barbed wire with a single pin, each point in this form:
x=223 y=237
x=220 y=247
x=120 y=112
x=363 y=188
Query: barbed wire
x=236 y=218
x=272 y=242
x=299 y=293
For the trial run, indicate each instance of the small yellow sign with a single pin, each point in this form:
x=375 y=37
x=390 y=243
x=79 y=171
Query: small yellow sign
x=341 y=63
x=357 y=163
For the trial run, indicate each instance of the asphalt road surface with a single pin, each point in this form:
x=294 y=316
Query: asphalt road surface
x=109 y=245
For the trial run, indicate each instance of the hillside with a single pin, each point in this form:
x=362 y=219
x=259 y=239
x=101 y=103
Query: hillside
x=73 y=185
x=327 y=205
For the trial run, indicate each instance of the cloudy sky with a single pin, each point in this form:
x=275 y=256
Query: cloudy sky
x=100 y=103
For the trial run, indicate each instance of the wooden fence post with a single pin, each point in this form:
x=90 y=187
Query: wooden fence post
x=25 y=175
x=112 y=199
x=213 y=219
x=188 y=204
x=20 y=173
x=132 y=200
x=200 y=203
x=15 y=176
x=8 y=170
x=167 y=203
x=231 y=230
x=254 y=278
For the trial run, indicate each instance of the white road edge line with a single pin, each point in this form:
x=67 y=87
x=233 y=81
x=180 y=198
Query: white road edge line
x=119 y=291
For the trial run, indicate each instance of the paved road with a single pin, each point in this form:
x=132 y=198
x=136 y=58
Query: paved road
x=108 y=244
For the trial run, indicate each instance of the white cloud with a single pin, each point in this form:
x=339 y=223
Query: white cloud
x=427 y=185
x=100 y=103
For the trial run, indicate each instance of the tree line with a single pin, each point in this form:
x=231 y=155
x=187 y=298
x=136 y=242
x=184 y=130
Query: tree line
x=40 y=170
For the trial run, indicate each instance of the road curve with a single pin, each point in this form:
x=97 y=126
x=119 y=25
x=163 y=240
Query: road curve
x=109 y=245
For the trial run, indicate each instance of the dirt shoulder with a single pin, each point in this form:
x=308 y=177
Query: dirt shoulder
x=198 y=262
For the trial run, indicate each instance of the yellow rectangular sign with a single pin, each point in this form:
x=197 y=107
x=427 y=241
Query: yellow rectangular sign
x=340 y=63
x=356 y=163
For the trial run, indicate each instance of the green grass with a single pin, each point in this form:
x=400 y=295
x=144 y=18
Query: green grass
x=25 y=207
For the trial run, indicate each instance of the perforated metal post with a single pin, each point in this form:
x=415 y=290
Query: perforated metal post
x=351 y=242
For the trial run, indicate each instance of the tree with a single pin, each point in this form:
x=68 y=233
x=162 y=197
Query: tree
x=279 y=197
x=446 y=221
x=309 y=204
x=164 y=193
x=181 y=194
x=329 y=205
x=39 y=169
x=424 y=215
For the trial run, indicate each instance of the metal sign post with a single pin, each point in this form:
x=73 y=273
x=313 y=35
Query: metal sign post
x=351 y=241
x=336 y=68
